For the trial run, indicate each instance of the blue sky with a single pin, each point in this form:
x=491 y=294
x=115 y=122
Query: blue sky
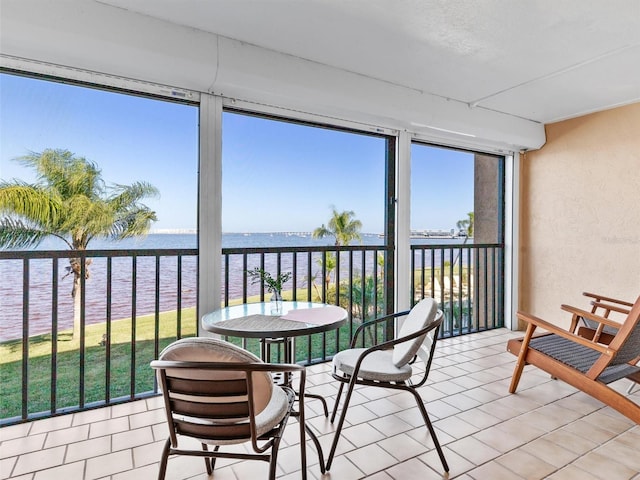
x=277 y=176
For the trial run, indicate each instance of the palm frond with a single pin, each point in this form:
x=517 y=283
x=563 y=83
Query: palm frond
x=14 y=233
x=33 y=202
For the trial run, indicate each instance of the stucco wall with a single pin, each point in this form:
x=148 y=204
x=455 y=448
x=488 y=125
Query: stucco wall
x=580 y=222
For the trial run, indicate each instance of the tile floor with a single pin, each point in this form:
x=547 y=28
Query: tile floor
x=547 y=430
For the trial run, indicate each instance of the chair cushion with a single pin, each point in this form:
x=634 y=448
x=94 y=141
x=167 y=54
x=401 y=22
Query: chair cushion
x=377 y=365
x=421 y=315
x=206 y=349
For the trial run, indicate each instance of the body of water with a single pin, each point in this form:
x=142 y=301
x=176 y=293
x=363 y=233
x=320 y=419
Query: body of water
x=40 y=298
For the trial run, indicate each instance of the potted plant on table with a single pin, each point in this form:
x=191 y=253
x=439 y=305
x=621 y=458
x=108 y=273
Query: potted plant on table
x=273 y=285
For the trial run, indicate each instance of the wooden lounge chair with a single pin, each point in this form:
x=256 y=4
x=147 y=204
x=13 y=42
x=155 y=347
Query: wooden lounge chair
x=585 y=363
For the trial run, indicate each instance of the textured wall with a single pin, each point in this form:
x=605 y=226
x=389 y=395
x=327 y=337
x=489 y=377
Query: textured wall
x=580 y=223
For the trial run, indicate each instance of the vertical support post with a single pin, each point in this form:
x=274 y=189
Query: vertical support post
x=209 y=206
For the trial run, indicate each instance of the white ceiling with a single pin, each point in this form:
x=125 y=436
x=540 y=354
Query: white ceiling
x=540 y=60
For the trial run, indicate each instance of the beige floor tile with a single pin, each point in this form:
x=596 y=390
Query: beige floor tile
x=22 y=445
x=88 y=448
x=526 y=465
x=550 y=452
x=492 y=471
x=341 y=468
x=602 y=467
x=498 y=439
x=458 y=465
x=131 y=439
x=6 y=466
x=474 y=450
x=15 y=431
x=148 y=471
x=128 y=408
x=44 y=459
x=109 y=427
x=143 y=419
x=147 y=454
x=628 y=455
x=462 y=401
x=613 y=423
x=440 y=409
x=90 y=416
x=153 y=403
x=250 y=469
x=371 y=459
x=66 y=436
x=571 y=472
x=379 y=476
x=112 y=463
x=402 y=447
x=51 y=424
x=455 y=427
x=413 y=468
x=478 y=418
x=390 y=425
x=64 y=472
x=363 y=434
x=586 y=429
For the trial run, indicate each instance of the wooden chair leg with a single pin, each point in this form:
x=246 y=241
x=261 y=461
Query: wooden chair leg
x=517 y=373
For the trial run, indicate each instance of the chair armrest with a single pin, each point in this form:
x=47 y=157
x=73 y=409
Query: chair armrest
x=373 y=322
x=598 y=298
x=610 y=308
x=591 y=316
x=550 y=327
x=390 y=343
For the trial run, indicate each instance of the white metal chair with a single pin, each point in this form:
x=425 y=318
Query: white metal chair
x=222 y=395
x=389 y=364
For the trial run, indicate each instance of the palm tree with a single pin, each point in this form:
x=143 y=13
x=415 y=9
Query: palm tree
x=466 y=224
x=70 y=201
x=342 y=226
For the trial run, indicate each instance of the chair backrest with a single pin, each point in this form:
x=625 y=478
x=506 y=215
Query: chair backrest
x=421 y=315
x=213 y=404
x=627 y=340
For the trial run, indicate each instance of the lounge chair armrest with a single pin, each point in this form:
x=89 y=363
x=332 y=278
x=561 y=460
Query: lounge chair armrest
x=610 y=308
x=607 y=299
x=591 y=316
x=561 y=332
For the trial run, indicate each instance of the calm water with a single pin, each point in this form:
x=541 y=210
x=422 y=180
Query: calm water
x=40 y=296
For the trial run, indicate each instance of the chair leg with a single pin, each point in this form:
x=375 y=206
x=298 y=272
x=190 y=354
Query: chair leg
x=303 y=441
x=517 y=373
x=335 y=405
x=343 y=414
x=163 y=461
x=273 y=462
x=432 y=431
x=213 y=459
x=207 y=462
